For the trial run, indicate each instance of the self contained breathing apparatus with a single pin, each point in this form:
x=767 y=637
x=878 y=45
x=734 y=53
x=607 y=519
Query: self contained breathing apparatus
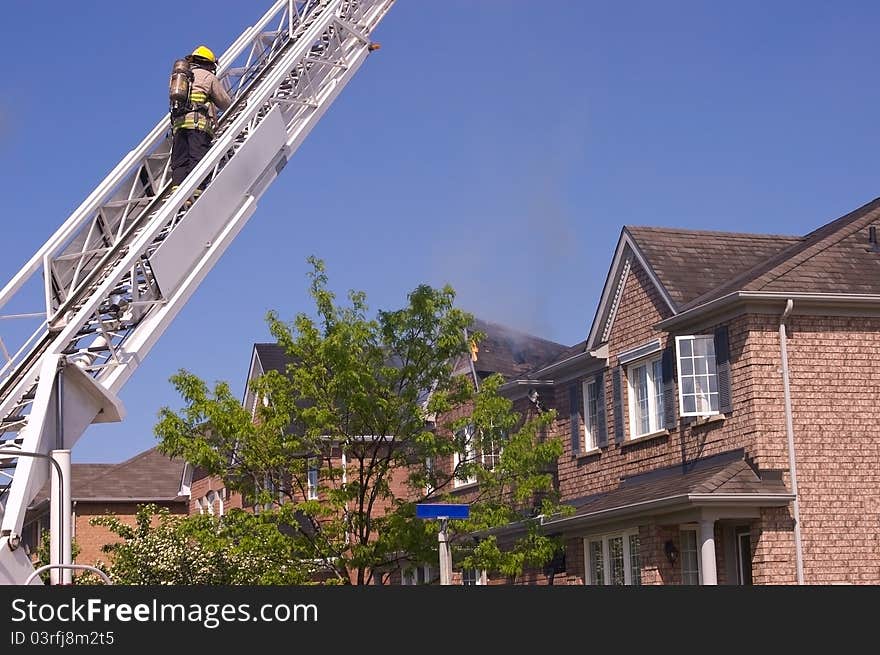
x=180 y=91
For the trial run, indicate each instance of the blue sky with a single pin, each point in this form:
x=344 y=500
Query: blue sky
x=495 y=145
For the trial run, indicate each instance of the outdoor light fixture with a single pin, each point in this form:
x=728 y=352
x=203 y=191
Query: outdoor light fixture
x=536 y=399
x=671 y=551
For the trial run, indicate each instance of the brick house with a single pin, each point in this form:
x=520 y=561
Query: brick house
x=720 y=420
x=503 y=350
x=103 y=489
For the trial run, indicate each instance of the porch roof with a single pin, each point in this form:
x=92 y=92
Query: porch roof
x=721 y=480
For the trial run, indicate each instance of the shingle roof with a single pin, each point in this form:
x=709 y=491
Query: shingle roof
x=727 y=473
x=691 y=263
x=503 y=350
x=272 y=357
x=149 y=475
x=510 y=352
x=835 y=258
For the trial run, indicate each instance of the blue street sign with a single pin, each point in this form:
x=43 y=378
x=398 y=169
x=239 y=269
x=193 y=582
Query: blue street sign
x=442 y=511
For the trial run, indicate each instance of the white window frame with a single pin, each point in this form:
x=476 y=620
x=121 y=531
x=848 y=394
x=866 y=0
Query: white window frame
x=591 y=422
x=606 y=558
x=709 y=374
x=429 y=469
x=468 y=455
x=493 y=454
x=479 y=578
x=314 y=468
x=655 y=392
x=695 y=531
x=739 y=534
x=409 y=576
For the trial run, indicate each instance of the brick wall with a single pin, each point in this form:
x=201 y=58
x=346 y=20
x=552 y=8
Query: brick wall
x=91 y=538
x=640 y=308
x=835 y=383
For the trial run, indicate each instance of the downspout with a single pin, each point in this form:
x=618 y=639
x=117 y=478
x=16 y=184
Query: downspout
x=789 y=429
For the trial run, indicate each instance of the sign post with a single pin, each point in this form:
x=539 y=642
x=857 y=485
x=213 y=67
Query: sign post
x=443 y=512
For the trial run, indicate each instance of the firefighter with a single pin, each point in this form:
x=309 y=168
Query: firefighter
x=193 y=126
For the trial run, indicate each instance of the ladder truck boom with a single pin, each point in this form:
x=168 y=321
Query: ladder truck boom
x=120 y=268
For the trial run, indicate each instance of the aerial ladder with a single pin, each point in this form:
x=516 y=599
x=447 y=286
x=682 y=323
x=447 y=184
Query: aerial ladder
x=120 y=268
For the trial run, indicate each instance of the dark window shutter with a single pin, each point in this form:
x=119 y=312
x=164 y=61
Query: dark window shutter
x=574 y=397
x=601 y=425
x=722 y=363
x=669 y=399
x=617 y=397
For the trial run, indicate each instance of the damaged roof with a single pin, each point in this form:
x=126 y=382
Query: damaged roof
x=510 y=352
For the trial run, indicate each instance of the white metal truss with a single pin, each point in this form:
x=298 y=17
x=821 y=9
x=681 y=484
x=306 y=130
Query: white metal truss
x=122 y=266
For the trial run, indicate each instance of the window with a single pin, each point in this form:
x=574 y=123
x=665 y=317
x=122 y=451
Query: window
x=429 y=471
x=614 y=559
x=417 y=575
x=697 y=376
x=690 y=557
x=312 y=490
x=489 y=454
x=465 y=454
x=471 y=577
x=645 y=391
x=744 y=557
x=591 y=414
x=490 y=450
x=211 y=503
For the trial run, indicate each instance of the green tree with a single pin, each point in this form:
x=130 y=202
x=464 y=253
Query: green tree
x=163 y=548
x=44 y=558
x=365 y=391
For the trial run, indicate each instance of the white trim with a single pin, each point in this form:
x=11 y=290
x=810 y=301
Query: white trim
x=692 y=338
x=409 y=575
x=835 y=299
x=738 y=534
x=615 y=301
x=313 y=466
x=479 y=578
x=696 y=531
x=603 y=311
x=654 y=390
x=589 y=442
x=604 y=539
x=638 y=352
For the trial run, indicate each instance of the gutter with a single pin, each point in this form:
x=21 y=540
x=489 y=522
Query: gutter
x=671 y=503
x=569 y=361
x=598 y=354
x=789 y=431
x=520 y=388
x=767 y=296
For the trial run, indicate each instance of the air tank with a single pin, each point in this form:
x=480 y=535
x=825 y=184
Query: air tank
x=181 y=78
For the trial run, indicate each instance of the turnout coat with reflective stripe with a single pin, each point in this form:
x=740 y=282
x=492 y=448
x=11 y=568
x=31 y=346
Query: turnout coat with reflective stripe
x=206 y=90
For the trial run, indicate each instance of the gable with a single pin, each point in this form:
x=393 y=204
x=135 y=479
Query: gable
x=625 y=255
x=640 y=307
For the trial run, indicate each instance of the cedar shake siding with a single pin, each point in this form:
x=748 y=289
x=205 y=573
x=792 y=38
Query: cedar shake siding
x=732 y=288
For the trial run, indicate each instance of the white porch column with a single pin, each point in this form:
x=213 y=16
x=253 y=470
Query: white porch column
x=707 y=552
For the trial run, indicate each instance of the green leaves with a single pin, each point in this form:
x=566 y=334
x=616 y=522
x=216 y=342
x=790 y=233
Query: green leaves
x=376 y=402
